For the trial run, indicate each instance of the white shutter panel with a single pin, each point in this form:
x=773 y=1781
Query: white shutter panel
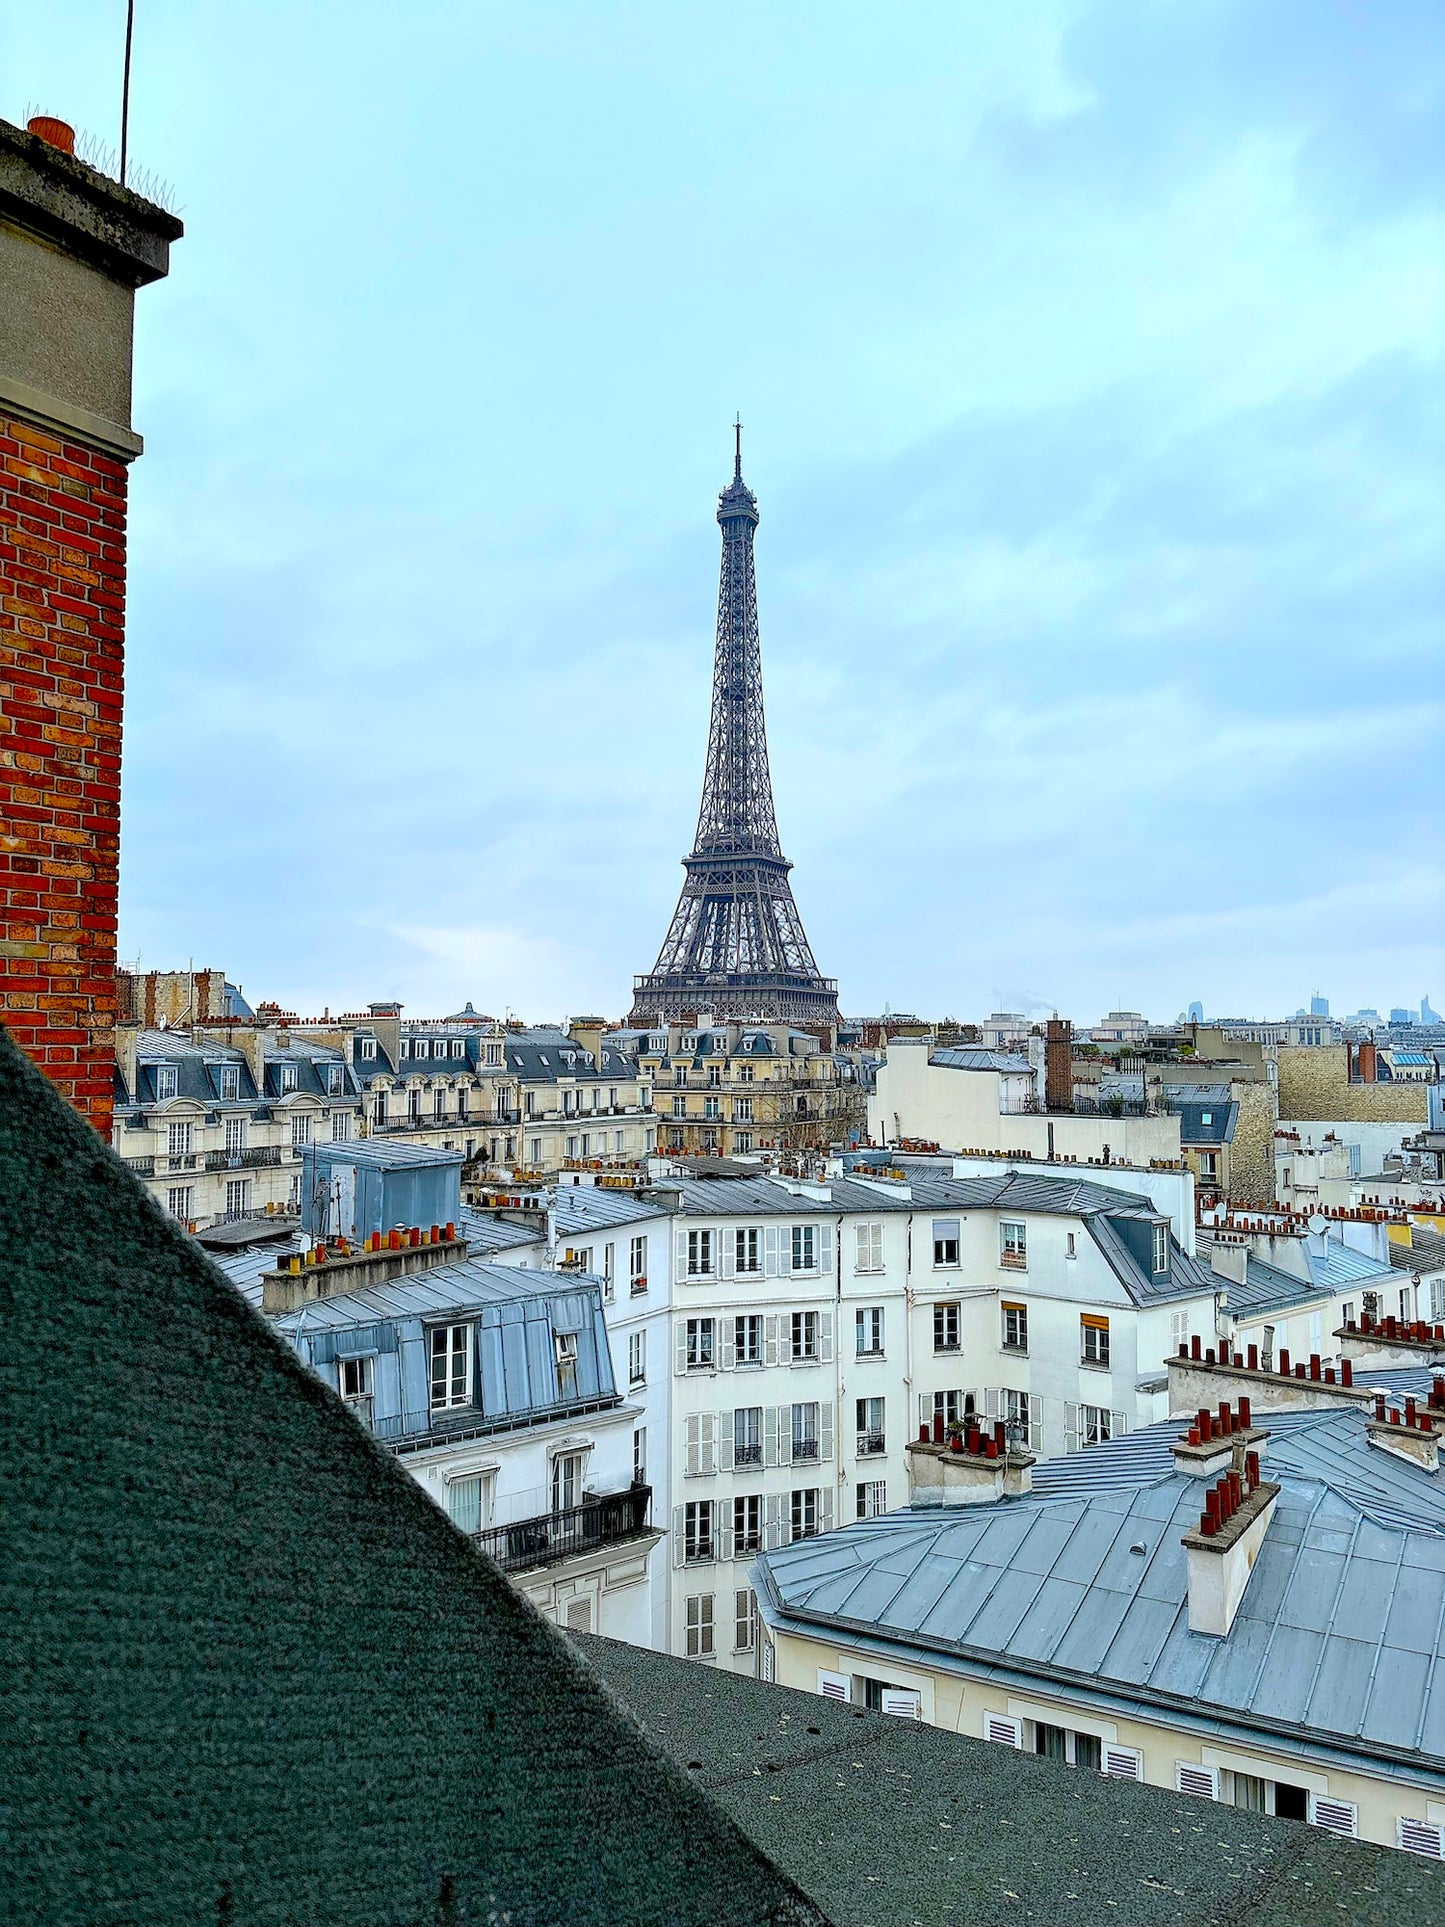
x=1202 y=1781
x=1122 y=1763
x=863 y=1247
x=990 y=1402
x=770 y=1340
x=773 y=1521
x=1004 y=1732
x=785 y=1435
x=727 y=1344
x=876 y=1254
x=770 y=1251
x=1071 y=1429
x=727 y=1250
x=925 y=1408
x=825 y=1337
x=825 y=1509
x=1420 y=1836
x=1118 y=1424
x=770 y=1665
x=680 y=1268
x=679 y=1360
x=905 y=1703
x=825 y=1431
x=825 y=1250
x=1335 y=1816
x=678 y=1547
x=707 y=1442
x=727 y=1543
x=1036 y=1431
x=693 y=1433
x=770 y=1435
x=785 y=1338
x=725 y=1439
x=835 y=1686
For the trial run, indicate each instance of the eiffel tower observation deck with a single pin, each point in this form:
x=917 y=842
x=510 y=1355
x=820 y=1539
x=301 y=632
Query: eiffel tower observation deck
x=736 y=946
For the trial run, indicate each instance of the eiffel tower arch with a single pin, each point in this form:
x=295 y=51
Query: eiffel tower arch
x=736 y=944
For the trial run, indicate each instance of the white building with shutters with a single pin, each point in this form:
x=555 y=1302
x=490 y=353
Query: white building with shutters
x=1289 y=1660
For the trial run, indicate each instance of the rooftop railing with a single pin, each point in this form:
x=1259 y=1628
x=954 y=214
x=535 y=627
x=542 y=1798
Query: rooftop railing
x=602 y=1519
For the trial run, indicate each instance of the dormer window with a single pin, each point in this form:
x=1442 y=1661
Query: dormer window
x=335 y=1080
x=459 y=1047
x=403 y=1048
x=494 y=1054
x=368 y=1050
x=1161 y=1247
x=542 y=1055
x=167 y=1078
x=451 y=1367
x=566 y=1343
x=286 y=1077
x=228 y=1082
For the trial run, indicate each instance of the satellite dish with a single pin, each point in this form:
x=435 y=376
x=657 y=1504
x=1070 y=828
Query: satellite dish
x=1319 y=1225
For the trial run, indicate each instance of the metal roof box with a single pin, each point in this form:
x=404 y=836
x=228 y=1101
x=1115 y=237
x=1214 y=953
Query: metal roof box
x=350 y=1189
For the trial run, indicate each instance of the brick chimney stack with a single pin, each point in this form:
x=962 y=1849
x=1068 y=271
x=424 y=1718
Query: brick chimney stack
x=74 y=247
x=1059 y=1065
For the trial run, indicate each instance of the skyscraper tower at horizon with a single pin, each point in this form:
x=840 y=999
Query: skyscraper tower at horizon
x=736 y=945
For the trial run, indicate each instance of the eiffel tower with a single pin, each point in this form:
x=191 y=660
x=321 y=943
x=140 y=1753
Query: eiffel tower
x=736 y=945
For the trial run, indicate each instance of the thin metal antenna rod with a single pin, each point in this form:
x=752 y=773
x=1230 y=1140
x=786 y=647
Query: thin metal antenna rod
x=738 y=455
x=125 y=88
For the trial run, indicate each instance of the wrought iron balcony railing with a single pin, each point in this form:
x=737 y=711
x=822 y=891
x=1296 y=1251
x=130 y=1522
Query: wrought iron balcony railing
x=870 y=1445
x=602 y=1519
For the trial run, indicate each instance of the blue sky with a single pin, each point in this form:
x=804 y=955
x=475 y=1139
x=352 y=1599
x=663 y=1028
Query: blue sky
x=1089 y=360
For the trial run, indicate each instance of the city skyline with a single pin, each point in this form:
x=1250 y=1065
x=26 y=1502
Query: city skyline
x=1101 y=567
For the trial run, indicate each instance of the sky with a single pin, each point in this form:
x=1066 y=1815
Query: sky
x=1089 y=359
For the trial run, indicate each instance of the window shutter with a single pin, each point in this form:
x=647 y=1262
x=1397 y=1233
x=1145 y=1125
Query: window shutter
x=785 y=1338
x=785 y=1435
x=678 y=1547
x=903 y=1703
x=990 y=1402
x=770 y=1340
x=680 y=1268
x=825 y=1431
x=693 y=1431
x=863 y=1240
x=1420 y=1836
x=727 y=1345
x=770 y=1435
x=727 y=1544
x=773 y=1521
x=707 y=1442
x=835 y=1686
x=770 y=1251
x=1004 y=1732
x=925 y=1408
x=770 y=1664
x=1122 y=1763
x=825 y=1337
x=727 y=1254
x=1071 y=1427
x=1036 y=1430
x=1201 y=1781
x=1335 y=1816
x=1118 y=1424
x=825 y=1509
x=877 y=1252
x=679 y=1362
x=825 y=1249
x=725 y=1439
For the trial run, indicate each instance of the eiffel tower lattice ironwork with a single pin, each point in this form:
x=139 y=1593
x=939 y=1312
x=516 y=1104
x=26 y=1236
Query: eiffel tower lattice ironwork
x=736 y=945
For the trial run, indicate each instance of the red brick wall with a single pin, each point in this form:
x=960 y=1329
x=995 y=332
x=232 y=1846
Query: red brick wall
x=62 y=612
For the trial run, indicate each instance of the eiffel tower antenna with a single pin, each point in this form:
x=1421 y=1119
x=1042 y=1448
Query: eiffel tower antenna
x=736 y=945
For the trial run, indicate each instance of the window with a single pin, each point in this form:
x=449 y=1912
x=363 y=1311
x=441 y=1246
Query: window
x=747 y=1524
x=459 y=1048
x=700 y=1344
x=637 y=1358
x=742 y=1140
x=178 y=1201
x=945 y=1328
x=697 y=1530
x=699 y=1254
x=945 y=1241
x=1407 y=1309
x=870 y=1427
x=869 y=1247
x=745 y=1073
x=748 y=1435
x=805 y=1247
x=300 y=1131
x=286 y=1078
x=340 y=1126
x=567 y=1473
x=637 y=1267
x=1161 y=1247
x=178 y=1140
x=451 y=1366
x=228 y=1082
x=167 y=1078
x=711 y=1107
x=367 y=1049
x=1095 y=1424
x=494 y=1055
x=469 y=1501
x=714 y=1075
x=746 y=1254
x=571 y=1147
x=565 y=1344
x=742 y=1110
x=804 y=1331
x=238 y=1198
x=868 y=1331
x=355 y=1382
x=1094 y=1341
x=1072 y=1749
x=1071 y=1249
x=679 y=1107
x=952 y=1407
x=413 y=1104
x=1437 y=1300
x=235 y=1136
x=699 y=1626
x=439 y=1103
x=1013 y=1245
x=378 y=1108
x=748 y=1338
x=803 y=1513
x=1178 y=1329
x=745 y=1621
x=872 y=1498
x=335 y=1080
x=805 y=1433
x=1015 y=1327
x=1015 y=1406
x=639 y=1455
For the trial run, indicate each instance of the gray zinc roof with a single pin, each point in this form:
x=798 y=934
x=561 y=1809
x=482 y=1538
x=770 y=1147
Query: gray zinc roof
x=458 y=1287
x=961 y=1058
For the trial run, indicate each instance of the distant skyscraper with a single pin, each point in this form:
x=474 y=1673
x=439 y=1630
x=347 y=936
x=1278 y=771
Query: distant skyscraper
x=736 y=945
x=1196 y=1012
x=1319 y=1006
x=1428 y=1016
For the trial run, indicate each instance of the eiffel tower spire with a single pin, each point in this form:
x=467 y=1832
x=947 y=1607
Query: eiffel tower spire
x=736 y=945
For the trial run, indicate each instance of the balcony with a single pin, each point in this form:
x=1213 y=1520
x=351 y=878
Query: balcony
x=601 y=1520
x=1014 y=1260
x=182 y=1161
x=804 y=1449
x=747 y=1455
x=261 y=1156
x=871 y=1445
x=143 y=1167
